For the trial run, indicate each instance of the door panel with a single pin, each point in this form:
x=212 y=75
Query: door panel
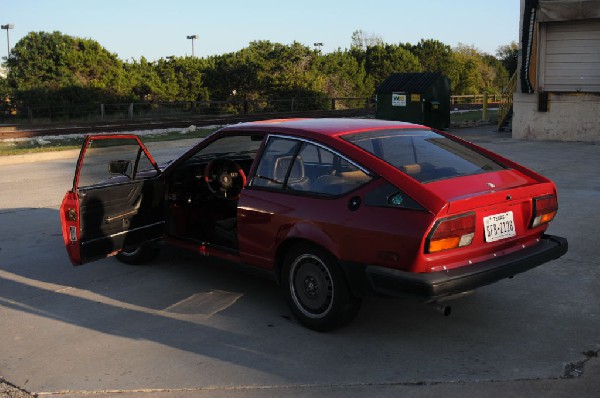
x=117 y=200
x=116 y=217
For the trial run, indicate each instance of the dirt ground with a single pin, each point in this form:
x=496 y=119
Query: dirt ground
x=9 y=391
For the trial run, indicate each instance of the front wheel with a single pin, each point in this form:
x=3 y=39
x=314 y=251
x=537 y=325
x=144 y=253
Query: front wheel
x=138 y=255
x=316 y=289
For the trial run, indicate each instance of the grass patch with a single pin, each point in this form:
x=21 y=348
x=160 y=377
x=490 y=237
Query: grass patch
x=36 y=145
x=178 y=135
x=473 y=116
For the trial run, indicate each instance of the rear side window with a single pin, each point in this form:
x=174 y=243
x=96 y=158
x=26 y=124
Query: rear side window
x=299 y=166
x=424 y=154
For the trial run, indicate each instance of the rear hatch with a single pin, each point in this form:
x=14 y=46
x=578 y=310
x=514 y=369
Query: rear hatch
x=503 y=206
x=484 y=205
x=499 y=188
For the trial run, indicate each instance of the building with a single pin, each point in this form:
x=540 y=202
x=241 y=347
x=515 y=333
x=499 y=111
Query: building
x=558 y=90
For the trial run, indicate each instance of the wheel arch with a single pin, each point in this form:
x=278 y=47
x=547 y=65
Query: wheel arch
x=286 y=245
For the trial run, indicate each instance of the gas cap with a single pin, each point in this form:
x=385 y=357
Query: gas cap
x=354 y=203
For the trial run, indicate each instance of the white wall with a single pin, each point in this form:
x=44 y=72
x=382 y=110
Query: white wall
x=570 y=117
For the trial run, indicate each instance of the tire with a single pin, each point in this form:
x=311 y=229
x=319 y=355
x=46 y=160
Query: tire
x=316 y=289
x=138 y=255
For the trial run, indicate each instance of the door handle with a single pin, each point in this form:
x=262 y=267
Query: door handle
x=132 y=212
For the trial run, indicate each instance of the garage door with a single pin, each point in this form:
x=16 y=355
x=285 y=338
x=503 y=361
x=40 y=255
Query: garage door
x=572 y=56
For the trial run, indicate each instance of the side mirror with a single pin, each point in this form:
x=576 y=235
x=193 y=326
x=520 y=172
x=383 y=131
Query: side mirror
x=119 y=167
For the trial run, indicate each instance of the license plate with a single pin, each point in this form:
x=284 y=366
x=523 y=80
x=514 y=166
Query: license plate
x=499 y=226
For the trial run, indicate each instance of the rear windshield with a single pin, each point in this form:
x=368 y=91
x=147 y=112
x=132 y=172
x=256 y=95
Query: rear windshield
x=424 y=154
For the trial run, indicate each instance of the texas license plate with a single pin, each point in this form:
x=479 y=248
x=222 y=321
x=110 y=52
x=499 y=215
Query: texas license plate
x=499 y=226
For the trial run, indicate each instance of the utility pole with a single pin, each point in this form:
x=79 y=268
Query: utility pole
x=192 y=38
x=7 y=27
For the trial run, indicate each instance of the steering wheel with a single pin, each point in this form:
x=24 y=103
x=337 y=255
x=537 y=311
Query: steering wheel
x=224 y=178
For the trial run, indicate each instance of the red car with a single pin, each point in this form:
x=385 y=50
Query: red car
x=333 y=209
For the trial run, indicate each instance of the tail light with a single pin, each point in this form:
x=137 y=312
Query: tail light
x=544 y=210
x=451 y=232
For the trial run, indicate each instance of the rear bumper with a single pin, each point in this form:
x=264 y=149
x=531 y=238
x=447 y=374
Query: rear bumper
x=436 y=285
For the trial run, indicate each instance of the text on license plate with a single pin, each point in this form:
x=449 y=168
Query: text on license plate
x=499 y=226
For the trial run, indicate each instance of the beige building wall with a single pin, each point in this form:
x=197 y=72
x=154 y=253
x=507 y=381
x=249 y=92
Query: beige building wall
x=570 y=113
x=570 y=117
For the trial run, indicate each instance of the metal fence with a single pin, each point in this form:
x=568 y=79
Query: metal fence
x=197 y=109
x=145 y=110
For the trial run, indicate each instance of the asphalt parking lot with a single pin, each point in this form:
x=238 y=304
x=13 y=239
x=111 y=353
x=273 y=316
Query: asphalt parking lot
x=186 y=326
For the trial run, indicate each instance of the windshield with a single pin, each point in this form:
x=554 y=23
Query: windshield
x=424 y=154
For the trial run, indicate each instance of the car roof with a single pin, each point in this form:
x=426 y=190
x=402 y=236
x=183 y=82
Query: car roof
x=324 y=126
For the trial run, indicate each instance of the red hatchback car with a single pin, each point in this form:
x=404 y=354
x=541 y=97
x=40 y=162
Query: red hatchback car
x=333 y=209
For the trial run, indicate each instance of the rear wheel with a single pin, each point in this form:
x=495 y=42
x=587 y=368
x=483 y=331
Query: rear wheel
x=316 y=289
x=138 y=255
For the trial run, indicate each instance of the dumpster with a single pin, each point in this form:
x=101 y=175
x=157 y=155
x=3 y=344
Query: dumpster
x=422 y=98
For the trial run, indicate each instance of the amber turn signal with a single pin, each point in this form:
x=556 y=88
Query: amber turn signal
x=451 y=232
x=544 y=210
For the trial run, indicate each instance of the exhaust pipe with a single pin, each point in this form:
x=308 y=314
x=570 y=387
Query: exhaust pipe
x=445 y=310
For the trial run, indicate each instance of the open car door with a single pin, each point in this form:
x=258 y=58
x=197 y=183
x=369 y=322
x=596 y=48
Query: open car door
x=117 y=199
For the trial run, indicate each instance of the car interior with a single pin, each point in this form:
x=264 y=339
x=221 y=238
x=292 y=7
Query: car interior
x=203 y=192
x=204 y=189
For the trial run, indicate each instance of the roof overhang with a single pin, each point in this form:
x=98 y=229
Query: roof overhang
x=567 y=10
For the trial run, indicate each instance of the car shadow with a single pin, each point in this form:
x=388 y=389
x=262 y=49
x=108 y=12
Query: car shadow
x=206 y=307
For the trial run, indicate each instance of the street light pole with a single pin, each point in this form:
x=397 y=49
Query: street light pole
x=318 y=45
x=192 y=38
x=7 y=27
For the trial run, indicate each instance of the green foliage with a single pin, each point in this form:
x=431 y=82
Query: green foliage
x=433 y=55
x=182 y=78
x=383 y=60
x=477 y=72
x=144 y=81
x=52 y=68
x=508 y=55
x=344 y=75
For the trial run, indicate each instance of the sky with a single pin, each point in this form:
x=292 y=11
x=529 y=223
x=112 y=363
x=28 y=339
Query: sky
x=157 y=29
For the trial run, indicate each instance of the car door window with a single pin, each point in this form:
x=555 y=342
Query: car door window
x=116 y=160
x=298 y=166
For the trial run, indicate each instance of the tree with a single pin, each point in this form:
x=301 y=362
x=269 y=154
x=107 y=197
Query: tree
x=383 y=60
x=344 y=75
x=509 y=55
x=144 y=82
x=5 y=97
x=181 y=78
x=361 y=40
x=433 y=55
x=264 y=69
x=233 y=74
x=477 y=72
x=52 y=67
x=291 y=70
x=496 y=76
